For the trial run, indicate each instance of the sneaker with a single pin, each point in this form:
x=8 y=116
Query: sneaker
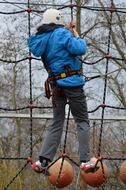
x=37 y=167
x=89 y=167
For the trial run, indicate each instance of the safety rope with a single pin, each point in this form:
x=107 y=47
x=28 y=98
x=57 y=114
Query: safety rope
x=105 y=81
x=104 y=93
x=61 y=5
x=32 y=106
x=82 y=61
x=30 y=83
x=115 y=9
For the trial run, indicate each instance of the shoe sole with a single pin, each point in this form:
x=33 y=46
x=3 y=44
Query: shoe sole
x=46 y=172
x=91 y=170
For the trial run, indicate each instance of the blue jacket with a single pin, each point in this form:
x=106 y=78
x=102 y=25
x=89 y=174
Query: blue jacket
x=59 y=50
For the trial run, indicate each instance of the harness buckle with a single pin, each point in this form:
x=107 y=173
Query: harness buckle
x=63 y=75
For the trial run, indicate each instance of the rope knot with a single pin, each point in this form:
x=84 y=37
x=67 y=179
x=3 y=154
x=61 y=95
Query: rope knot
x=103 y=105
x=31 y=106
x=30 y=57
x=112 y=9
x=71 y=5
x=29 y=10
x=108 y=56
x=29 y=160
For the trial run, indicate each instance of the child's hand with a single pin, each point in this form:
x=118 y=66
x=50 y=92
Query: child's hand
x=75 y=33
x=71 y=26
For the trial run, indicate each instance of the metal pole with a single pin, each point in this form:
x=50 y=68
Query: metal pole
x=50 y=116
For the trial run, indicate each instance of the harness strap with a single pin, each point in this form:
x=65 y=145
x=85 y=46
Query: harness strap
x=64 y=75
x=48 y=87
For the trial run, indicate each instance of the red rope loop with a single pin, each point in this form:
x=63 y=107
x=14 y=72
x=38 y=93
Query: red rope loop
x=31 y=106
x=29 y=10
x=29 y=160
x=103 y=105
x=112 y=9
x=71 y=5
x=108 y=56
x=30 y=57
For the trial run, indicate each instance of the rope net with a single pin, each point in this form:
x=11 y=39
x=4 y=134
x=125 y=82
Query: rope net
x=113 y=64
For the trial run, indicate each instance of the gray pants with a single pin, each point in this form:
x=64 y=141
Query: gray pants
x=78 y=107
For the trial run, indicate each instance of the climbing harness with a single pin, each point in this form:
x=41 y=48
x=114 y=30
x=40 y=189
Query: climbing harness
x=49 y=83
x=47 y=89
x=65 y=74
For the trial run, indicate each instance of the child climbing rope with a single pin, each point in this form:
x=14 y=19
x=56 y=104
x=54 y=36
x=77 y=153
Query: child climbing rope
x=59 y=48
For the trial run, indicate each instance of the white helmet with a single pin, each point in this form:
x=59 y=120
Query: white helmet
x=52 y=16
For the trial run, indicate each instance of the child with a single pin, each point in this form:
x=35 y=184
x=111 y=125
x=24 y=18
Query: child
x=59 y=48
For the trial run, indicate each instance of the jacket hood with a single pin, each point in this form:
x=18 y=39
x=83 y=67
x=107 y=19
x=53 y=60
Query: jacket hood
x=47 y=28
x=37 y=43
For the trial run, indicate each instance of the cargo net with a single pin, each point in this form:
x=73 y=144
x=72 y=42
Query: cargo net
x=65 y=170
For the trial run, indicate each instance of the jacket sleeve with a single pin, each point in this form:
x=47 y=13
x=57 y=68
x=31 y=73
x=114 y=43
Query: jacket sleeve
x=74 y=45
